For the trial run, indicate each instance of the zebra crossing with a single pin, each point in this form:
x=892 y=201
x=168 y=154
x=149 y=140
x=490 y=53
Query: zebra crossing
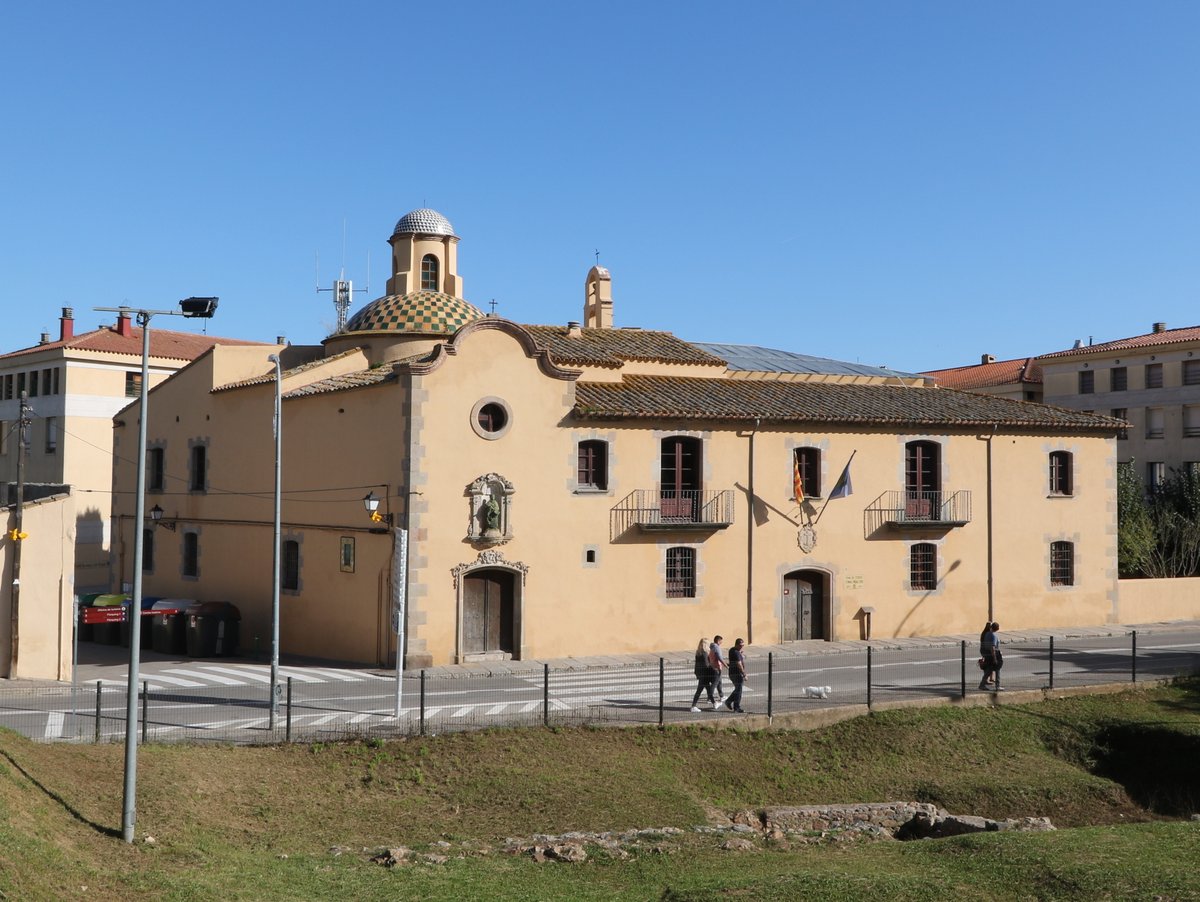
x=215 y=676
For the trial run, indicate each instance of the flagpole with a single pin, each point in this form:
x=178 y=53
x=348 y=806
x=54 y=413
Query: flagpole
x=845 y=470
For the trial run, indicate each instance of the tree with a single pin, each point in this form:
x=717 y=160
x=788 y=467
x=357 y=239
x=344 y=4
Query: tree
x=1135 y=530
x=1158 y=534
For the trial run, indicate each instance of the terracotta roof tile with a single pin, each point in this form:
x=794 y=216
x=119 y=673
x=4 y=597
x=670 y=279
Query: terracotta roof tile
x=1149 y=340
x=269 y=376
x=346 y=381
x=821 y=402
x=610 y=347
x=163 y=343
x=982 y=375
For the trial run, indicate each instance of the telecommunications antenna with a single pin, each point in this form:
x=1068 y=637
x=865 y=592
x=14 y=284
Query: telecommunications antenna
x=343 y=289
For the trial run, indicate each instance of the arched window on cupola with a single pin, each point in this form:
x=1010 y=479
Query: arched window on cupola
x=429 y=273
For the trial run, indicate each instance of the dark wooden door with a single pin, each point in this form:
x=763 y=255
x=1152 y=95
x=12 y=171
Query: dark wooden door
x=488 y=612
x=804 y=606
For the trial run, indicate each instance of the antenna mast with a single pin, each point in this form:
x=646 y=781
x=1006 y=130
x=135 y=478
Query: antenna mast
x=343 y=289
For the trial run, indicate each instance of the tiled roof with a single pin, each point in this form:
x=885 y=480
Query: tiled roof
x=982 y=375
x=163 y=343
x=269 y=376
x=418 y=311
x=610 y=347
x=343 y=382
x=820 y=402
x=1149 y=340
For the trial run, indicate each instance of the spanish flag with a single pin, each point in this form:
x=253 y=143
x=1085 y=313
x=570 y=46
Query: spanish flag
x=797 y=481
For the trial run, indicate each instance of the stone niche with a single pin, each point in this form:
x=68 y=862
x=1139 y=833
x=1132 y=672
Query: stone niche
x=489 y=510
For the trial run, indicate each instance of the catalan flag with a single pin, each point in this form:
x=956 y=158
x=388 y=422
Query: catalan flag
x=797 y=479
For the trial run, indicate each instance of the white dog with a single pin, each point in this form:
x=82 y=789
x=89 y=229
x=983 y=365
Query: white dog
x=817 y=691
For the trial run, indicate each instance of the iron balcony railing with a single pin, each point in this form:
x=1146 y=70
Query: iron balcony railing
x=906 y=508
x=650 y=509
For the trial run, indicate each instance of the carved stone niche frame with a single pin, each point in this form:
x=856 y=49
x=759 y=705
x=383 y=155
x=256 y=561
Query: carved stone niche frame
x=489 y=510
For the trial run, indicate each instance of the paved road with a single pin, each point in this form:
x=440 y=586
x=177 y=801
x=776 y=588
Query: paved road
x=229 y=700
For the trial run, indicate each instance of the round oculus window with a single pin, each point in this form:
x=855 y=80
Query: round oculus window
x=490 y=418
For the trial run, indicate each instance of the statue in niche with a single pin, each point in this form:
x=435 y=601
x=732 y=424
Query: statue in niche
x=491 y=518
x=490 y=499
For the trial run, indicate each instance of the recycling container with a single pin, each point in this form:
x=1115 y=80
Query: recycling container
x=127 y=626
x=168 y=631
x=86 y=630
x=212 y=629
x=108 y=633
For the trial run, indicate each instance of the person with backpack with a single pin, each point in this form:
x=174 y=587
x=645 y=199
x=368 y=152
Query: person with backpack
x=705 y=676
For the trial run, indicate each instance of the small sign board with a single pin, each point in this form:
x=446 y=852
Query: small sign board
x=113 y=614
x=853 y=581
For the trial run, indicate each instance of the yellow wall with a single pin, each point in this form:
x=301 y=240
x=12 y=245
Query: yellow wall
x=1153 y=600
x=45 y=629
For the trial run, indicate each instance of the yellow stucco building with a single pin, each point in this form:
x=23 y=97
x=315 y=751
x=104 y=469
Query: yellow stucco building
x=586 y=489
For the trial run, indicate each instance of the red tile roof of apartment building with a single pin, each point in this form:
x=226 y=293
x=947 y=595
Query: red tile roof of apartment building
x=1149 y=340
x=983 y=375
x=163 y=343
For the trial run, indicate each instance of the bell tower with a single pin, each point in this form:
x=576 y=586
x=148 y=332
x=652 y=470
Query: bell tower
x=597 y=299
x=424 y=255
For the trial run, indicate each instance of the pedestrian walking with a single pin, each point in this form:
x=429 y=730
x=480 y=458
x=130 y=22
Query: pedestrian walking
x=716 y=659
x=705 y=676
x=989 y=649
x=737 y=675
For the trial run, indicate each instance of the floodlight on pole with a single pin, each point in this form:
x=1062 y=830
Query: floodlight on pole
x=189 y=307
x=275 y=546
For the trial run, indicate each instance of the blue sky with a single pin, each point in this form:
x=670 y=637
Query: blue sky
x=906 y=184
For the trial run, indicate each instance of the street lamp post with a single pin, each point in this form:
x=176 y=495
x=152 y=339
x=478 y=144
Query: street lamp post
x=190 y=307
x=278 y=422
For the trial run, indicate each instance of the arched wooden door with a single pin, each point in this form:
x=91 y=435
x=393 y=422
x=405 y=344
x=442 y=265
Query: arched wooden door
x=488 y=608
x=805 y=610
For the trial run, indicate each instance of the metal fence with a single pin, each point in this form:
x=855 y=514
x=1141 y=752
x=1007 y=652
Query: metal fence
x=659 y=692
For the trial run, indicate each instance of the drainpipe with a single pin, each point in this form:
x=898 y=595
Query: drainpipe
x=991 y=587
x=750 y=537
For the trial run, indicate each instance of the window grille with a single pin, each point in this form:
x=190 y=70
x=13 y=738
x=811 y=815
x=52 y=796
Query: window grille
x=923 y=566
x=681 y=573
x=1062 y=564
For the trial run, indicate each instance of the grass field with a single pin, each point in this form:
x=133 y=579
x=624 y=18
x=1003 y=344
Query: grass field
x=1119 y=772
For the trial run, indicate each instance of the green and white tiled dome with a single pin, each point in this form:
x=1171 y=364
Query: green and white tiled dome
x=426 y=312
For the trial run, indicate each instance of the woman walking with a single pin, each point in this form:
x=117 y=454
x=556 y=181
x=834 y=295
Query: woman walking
x=705 y=676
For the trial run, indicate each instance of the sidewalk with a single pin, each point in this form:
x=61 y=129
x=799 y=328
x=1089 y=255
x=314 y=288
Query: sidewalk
x=98 y=659
x=806 y=647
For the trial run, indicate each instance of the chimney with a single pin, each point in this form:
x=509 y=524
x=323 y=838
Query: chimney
x=45 y=339
x=281 y=339
x=1160 y=327
x=573 y=330
x=66 y=325
x=124 y=325
x=1078 y=344
x=986 y=358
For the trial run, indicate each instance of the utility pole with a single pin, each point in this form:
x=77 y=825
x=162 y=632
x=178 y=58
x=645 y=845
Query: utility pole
x=18 y=534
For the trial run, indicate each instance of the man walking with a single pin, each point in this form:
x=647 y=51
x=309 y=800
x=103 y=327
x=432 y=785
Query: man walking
x=716 y=660
x=989 y=651
x=737 y=675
